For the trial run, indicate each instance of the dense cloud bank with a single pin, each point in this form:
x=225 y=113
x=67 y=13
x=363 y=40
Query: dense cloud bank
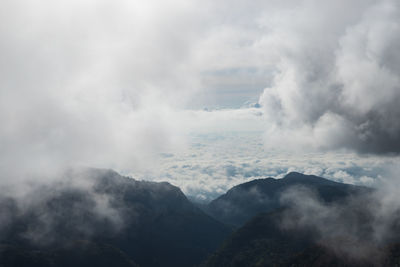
x=105 y=84
x=199 y=175
x=89 y=82
x=338 y=78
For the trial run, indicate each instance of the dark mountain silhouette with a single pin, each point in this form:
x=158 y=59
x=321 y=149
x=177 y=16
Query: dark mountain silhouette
x=263 y=243
x=260 y=242
x=79 y=253
x=320 y=256
x=133 y=222
x=95 y=217
x=332 y=224
x=246 y=200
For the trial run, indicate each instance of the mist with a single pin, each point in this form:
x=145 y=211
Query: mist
x=205 y=95
x=360 y=227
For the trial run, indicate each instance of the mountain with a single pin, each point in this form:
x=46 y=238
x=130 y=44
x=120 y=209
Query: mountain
x=260 y=242
x=79 y=253
x=317 y=223
x=263 y=242
x=246 y=200
x=135 y=222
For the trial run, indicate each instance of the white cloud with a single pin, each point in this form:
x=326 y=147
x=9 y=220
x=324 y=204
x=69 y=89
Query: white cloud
x=337 y=84
x=216 y=160
x=105 y=84
x=93 y=82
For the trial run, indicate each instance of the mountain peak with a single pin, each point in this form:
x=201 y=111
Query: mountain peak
x=263 y=195
x=296 y=177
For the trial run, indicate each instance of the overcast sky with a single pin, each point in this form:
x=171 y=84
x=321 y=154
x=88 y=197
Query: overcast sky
x=140 y=85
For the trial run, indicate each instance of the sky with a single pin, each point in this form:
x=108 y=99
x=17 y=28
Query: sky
x=204 y=94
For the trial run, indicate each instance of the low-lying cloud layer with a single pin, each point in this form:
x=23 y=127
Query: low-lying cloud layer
x=211 y=165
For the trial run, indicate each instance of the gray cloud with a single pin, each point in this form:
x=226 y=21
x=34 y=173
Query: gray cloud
x=104 y=84
x=337 y=83
x=93 y=82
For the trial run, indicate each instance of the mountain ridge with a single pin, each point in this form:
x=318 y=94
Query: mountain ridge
x=149 y=222
x=245 y=200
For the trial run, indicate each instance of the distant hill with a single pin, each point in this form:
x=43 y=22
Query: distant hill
x=134 y=222
x=246 y=200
